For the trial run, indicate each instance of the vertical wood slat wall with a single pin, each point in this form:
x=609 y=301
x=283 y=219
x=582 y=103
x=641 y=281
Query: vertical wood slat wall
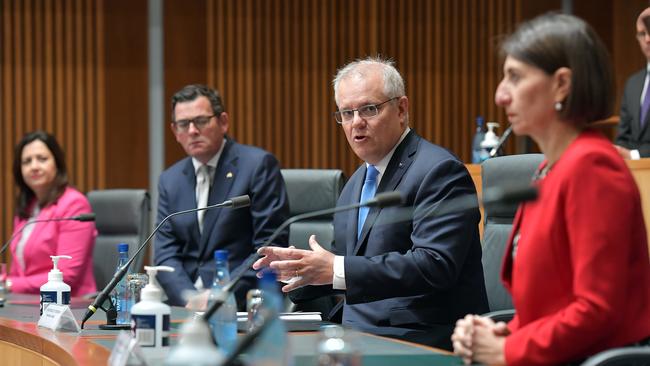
x=274 y=60
x=51 y=78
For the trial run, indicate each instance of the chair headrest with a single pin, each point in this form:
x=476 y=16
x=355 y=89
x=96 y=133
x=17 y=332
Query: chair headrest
x=504 y=171
x=118 y=210
x=312 y=189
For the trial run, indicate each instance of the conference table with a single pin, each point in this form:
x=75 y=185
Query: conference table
x=23 y=343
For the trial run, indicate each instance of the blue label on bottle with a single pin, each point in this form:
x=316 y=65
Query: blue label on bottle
x=144 y=329
x=47 y=297
x=165 y=330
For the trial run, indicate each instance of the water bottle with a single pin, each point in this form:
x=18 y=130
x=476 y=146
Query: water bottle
x=224 y=321
x=272 y=347
x=121 y=298
x=476 y=142
x=337 y=347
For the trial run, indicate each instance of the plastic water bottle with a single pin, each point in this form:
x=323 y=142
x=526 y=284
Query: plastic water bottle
x=476 y=142
x=272 y=348
x=224 y=321
x=121 y=298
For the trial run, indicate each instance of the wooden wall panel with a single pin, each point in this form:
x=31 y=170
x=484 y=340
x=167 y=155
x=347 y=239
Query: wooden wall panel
x=273 y=62
x=50 y=79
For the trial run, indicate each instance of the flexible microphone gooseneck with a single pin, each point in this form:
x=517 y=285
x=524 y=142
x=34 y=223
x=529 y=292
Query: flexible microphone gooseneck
x=234 y=203
x=504 y=137
x=380 y=200
x=81 y=217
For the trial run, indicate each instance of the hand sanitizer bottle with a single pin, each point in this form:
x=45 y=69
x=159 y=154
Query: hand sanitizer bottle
x=55 y=290
x=195 y=347
x=150 y=319
x=490 y=140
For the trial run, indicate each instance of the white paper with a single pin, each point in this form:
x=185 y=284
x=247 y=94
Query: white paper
x=59 y=318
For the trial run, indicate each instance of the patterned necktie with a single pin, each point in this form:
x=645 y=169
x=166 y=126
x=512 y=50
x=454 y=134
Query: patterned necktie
x=202 y=192
x=644 y=107
x=367 y=192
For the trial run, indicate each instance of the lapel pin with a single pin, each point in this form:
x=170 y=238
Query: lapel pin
x=229 y=175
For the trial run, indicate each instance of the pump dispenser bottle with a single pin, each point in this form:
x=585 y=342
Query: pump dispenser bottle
x=150 y=319
x=55 y=290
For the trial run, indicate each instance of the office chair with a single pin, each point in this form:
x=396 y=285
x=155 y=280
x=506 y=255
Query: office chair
x=122 y=216
x=499 y=172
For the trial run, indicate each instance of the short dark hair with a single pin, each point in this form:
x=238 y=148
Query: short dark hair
x=25 y=194
x=554 y=40
x=193 y=91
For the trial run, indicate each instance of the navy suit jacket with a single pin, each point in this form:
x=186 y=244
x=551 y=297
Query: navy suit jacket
x=411 y=277
x=241 y=170
x=630 y=134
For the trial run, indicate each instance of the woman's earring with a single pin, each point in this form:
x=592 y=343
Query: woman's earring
x=558 y=106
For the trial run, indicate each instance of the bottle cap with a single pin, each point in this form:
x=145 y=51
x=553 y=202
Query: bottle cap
x=55 y=274
x=123 y=248
x=221 y=255
x=479 y=121
x=152 y=291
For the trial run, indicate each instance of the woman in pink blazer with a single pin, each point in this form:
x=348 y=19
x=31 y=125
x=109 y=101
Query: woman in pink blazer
x=40 y=172
x=577 y=261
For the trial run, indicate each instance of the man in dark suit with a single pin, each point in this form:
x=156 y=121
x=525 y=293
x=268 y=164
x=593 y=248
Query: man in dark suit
x=404 y=277
x=633 y=138
x=216 y=169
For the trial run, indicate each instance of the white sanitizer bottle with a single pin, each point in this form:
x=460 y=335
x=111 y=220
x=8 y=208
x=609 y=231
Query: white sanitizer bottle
x=150 y=319
x=55 y=290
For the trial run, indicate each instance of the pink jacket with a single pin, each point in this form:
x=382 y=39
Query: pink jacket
x=72 y=238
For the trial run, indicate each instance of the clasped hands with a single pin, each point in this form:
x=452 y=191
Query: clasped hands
x=480 y=339
x=298 y=267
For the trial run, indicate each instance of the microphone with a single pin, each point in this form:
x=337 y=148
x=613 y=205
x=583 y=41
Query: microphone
x=234 y=203
x=380 y=200
x=502 y=141
x=495 y=196
x=90 y=216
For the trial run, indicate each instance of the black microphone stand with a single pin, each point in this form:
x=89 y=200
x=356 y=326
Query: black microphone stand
x=236 y=202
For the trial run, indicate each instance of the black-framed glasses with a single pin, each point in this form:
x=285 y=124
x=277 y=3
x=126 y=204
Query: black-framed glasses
x=199 y=122
x=366 y=111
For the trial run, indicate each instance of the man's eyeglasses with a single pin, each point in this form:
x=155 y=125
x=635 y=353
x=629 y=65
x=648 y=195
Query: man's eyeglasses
x=198 y=122
x=366 y=111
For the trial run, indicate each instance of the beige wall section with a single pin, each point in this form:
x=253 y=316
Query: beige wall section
x=51 y=78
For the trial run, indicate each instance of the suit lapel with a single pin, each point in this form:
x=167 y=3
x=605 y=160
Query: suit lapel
x=397 y=167
x=224 y=175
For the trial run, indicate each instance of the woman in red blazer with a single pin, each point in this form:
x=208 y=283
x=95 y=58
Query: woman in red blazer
x=40 y=172
x=577 y=262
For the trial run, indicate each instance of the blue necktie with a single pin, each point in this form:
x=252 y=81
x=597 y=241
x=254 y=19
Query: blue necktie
x=367 y=192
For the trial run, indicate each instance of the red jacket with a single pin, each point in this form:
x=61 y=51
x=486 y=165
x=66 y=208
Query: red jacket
x=72 y=238
x=580 y=278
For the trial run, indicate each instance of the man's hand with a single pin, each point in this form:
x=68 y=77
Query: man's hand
x=625 y=153
x=310 y=267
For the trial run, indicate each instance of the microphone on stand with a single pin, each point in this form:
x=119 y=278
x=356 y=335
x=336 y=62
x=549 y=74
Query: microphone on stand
x=234 y=203
x=90 y=216
x=504 y=137
x=380 y=200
